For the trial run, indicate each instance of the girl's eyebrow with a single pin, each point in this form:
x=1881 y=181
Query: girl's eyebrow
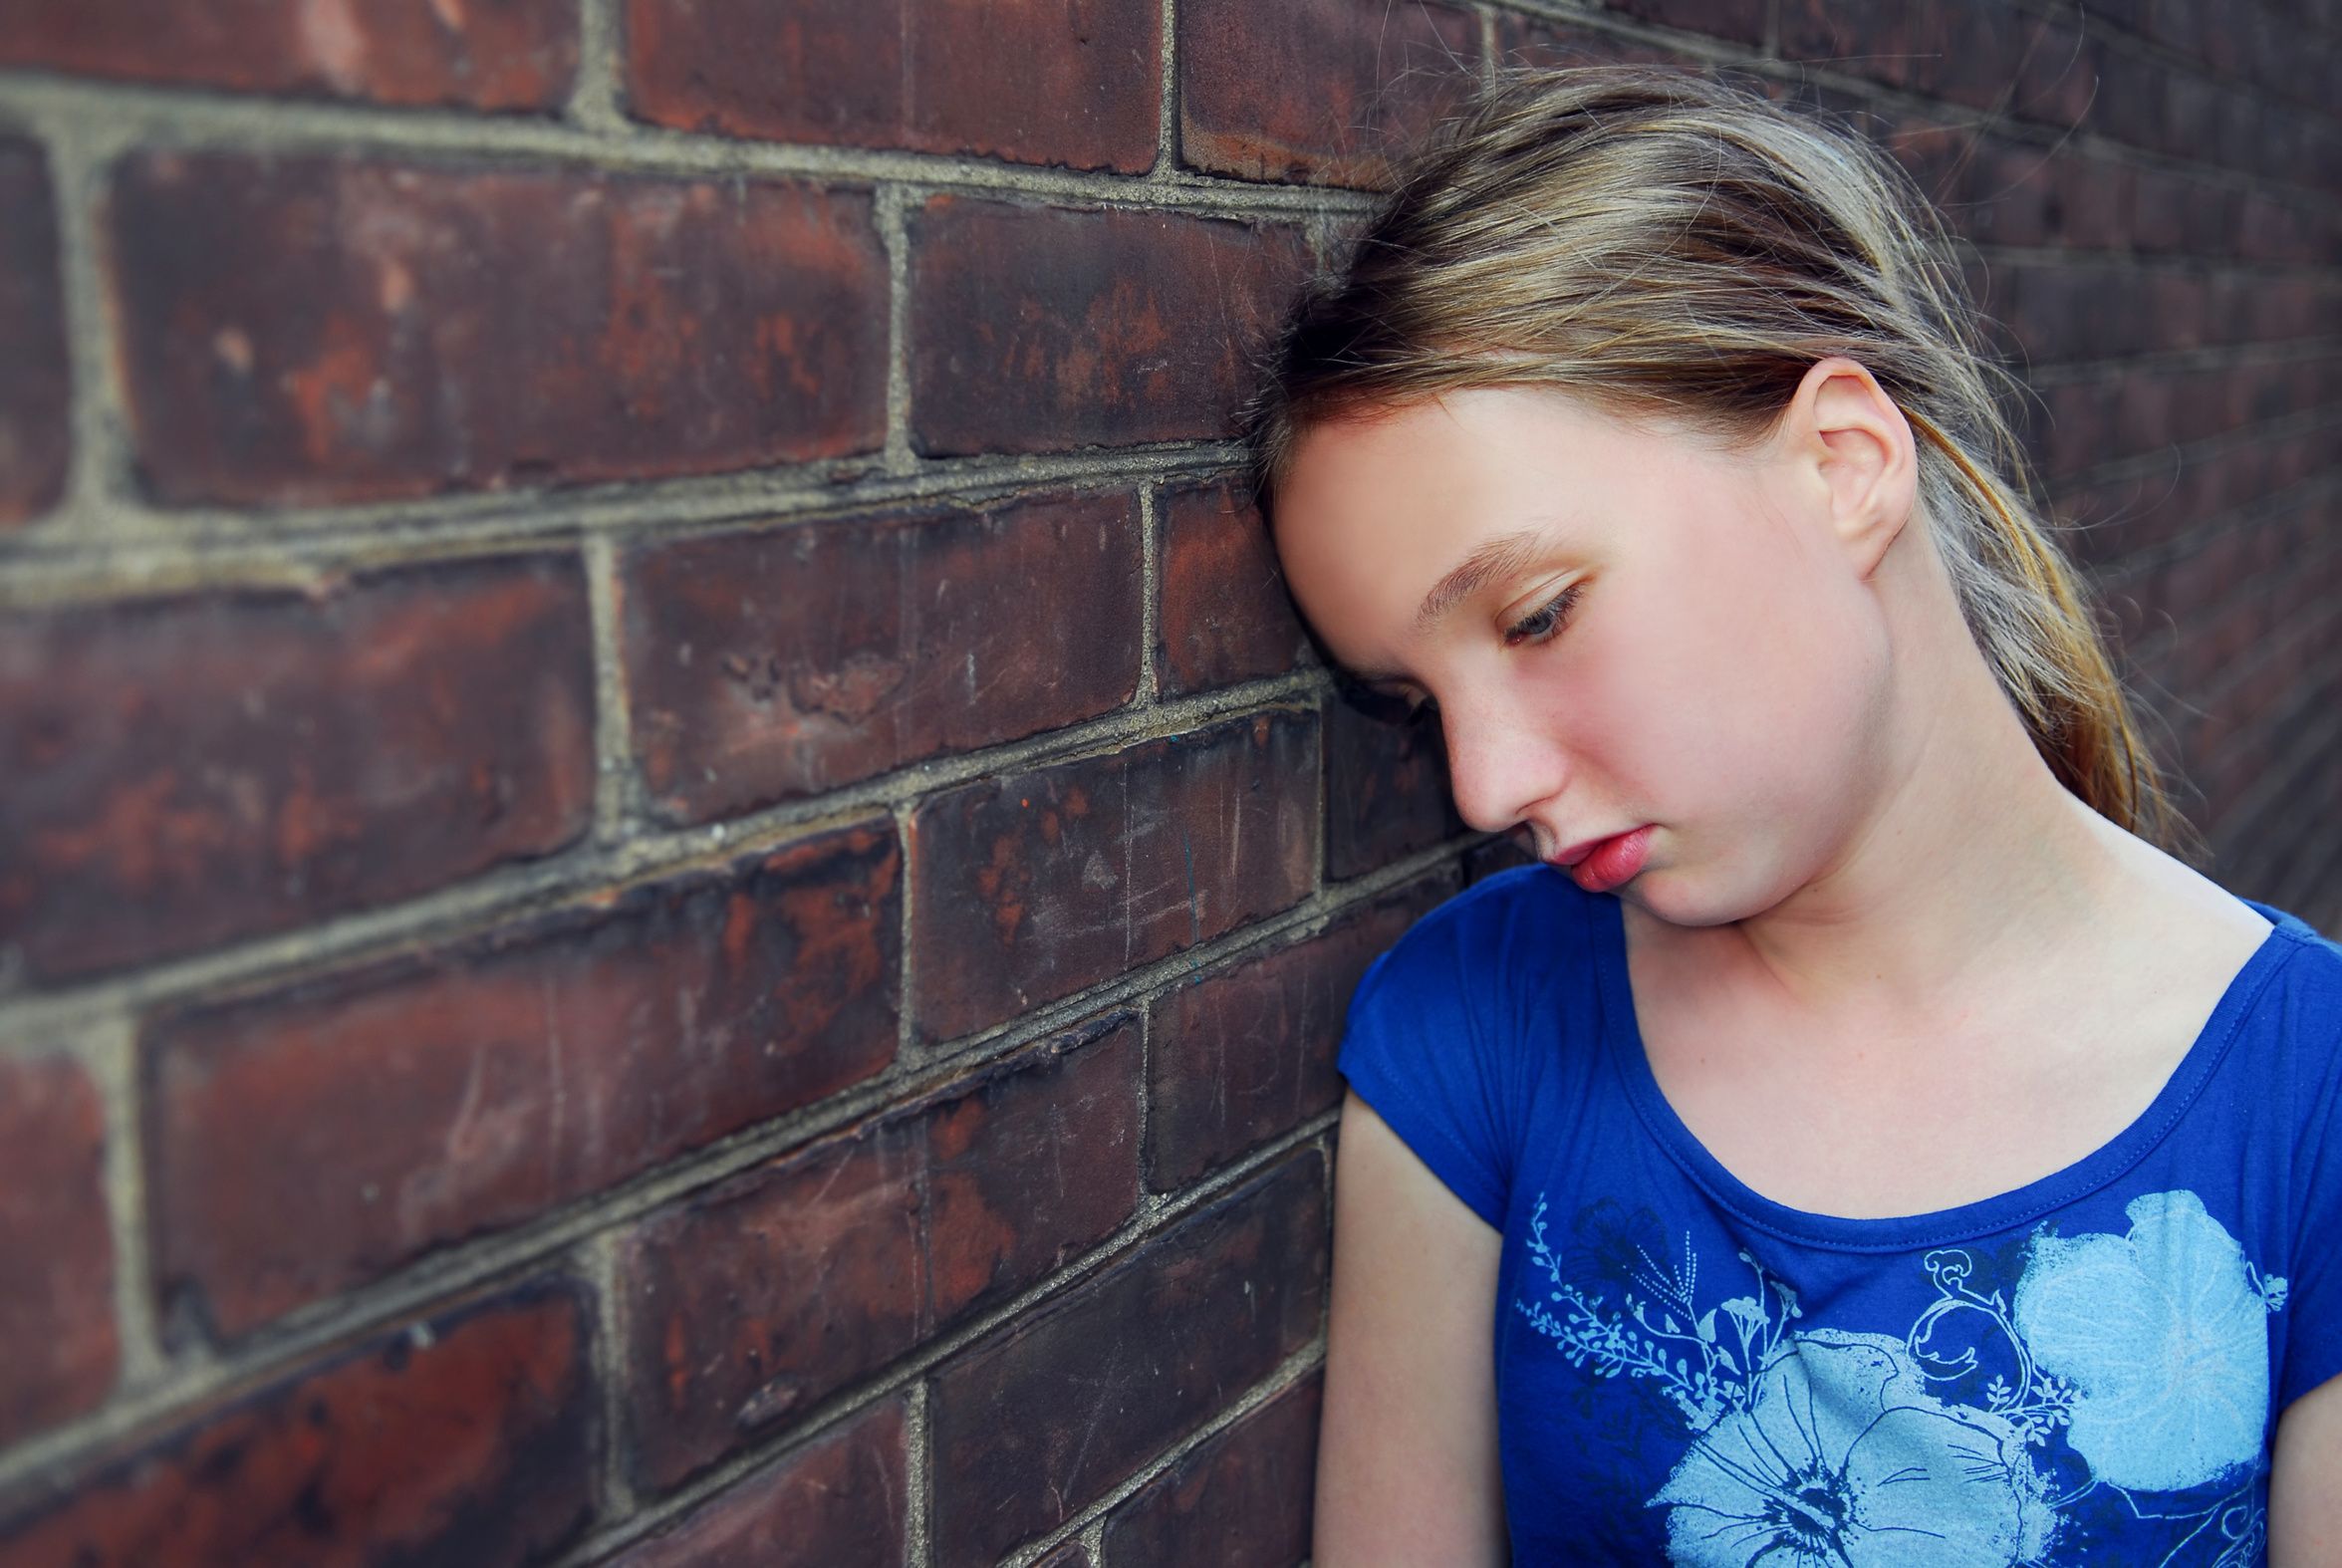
x=1495 y=556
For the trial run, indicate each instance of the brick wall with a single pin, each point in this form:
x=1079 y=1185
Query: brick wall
x=673 y=888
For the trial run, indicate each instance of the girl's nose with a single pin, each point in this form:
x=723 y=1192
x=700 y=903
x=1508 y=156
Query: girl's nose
x=1497 y=771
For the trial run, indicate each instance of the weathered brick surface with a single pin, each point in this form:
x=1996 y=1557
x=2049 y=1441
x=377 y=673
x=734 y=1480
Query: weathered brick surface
x=837 y=1501
x=468 y=1439
x=1968 y=53
x=516 y=53
x=753 y=1302
x=35 y=384
x=1736 y=20
x=1377 y=75
x=307 y=1140
x=1538 y=40
x=1240 y=1501
x=1035 y=1422
x=1385 y=787
x=1087 y=78
x=1245 y=1052
x=317 y=330
x=768 y=666
x=187 y=771
x=1029 y=887
x=1036 y=328
x=1221 y=610
x=58 y=1345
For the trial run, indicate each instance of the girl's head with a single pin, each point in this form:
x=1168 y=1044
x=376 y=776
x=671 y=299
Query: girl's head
x=1689 y=385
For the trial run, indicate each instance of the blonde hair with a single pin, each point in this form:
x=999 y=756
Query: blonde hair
x=1674 y=246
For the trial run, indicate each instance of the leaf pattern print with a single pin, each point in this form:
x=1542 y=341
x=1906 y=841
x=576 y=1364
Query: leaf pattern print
x=2163 y=1334
x=2131 y=1370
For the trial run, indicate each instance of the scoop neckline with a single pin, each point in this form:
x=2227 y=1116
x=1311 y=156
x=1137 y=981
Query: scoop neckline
x=1942 y=1227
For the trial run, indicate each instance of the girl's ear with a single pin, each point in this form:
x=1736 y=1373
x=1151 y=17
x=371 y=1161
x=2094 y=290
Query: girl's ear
x=1850 y=447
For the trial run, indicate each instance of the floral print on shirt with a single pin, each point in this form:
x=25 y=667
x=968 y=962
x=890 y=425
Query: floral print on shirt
x=2126 y=1370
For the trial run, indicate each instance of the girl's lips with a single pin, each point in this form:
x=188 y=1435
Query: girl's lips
x=1612 y=860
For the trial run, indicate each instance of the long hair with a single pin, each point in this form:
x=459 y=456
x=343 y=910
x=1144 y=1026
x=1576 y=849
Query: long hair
x=1674 y=245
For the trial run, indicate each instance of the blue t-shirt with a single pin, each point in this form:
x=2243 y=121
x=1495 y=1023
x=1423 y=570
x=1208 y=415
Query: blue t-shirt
x=2086 y=1369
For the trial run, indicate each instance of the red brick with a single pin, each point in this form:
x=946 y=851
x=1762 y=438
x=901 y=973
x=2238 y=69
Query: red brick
x=1221 y=610
x=895 y=74
x=768 y=666
x=58 y=1349
x=1385 y=787
x=310 y=1140
x=1030 y=887
x=315 y=329
x=35 y=384
x=470 y=1438
x=517 y=54
x=1029 y=1163
x=1239 y=1500
x=1247 y=1052
x=1377 y=77
x=1037 y=329
x=842 y=1499
x=755 y=1301
x=190 y=771
x=1035 y=1422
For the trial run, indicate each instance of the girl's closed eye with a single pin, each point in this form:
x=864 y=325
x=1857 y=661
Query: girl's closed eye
x=1543 y=624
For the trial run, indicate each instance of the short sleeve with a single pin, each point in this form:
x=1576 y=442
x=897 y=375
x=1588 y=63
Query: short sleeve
x=1426 y=1044
x=2313 y=1350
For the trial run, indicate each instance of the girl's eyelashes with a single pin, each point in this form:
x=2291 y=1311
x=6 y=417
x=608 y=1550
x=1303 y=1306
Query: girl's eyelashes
x=1544 y=622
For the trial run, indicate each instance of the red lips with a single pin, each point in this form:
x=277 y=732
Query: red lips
x=1599 y=865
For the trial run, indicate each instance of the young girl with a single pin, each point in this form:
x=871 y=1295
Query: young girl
x=1859 y=1143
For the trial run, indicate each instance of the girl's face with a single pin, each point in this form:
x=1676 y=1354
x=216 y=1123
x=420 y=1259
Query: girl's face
x=1619 y=628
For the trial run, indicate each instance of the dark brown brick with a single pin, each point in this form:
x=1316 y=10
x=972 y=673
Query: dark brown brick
x=35 y=386
x=1964 y=51
x=1221 y=610
x=1037 y=329
x=1240 y=1499
x=310 y=1140
x=516 y=53
x=1033 y=1422
x=764 y=666
x=1737 y=20
x=1029 y=1163
x=1377 y=77
x=841 y=1500
x=1247 y=1052
x=753 y=1302
x=58 y=1348
x=1073 y=1554
x=470 y=1438
x=302 y=330
x=1088 y=78
x=1491 y=856
x=1539 y=42
x=1385 y=787
x=189 y=771
x=1033 y=886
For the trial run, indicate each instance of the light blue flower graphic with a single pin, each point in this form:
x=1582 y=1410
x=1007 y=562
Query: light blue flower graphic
x=2164 y=1335
x=1841 y=1459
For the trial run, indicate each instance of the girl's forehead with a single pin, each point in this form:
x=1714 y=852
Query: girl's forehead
x=1502 y=457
